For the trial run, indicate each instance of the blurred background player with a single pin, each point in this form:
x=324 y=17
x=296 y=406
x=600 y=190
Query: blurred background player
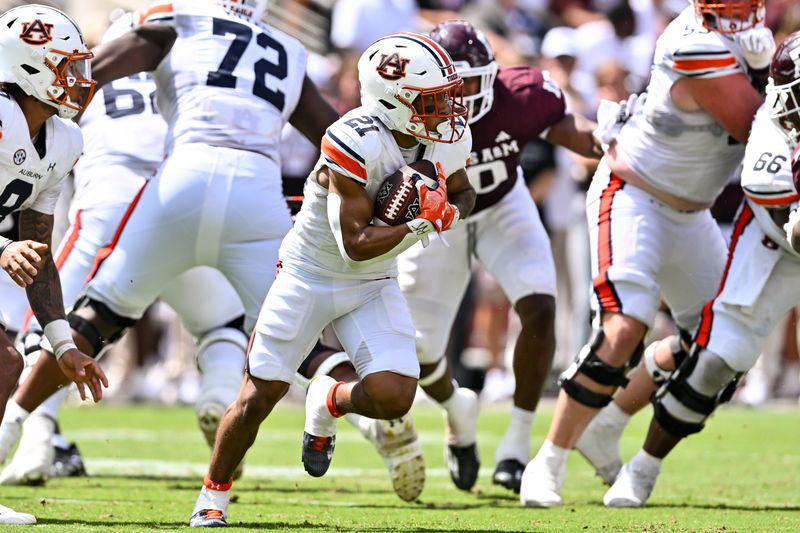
x=758 y=288
x=337 y=268
x=505 y=234
x=666 y=167
x=124 y=138
x=44 y=72
x=217 y=198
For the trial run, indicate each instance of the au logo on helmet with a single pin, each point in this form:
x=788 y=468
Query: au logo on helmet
x=36 y=32
x=394 y=62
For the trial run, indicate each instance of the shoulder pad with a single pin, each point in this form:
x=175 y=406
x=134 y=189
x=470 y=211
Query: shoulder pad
x=701 y=55
x=346 y=151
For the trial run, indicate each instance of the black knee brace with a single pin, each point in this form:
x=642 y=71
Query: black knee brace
x=589 y=364
x=679 y=389
x=90 y=331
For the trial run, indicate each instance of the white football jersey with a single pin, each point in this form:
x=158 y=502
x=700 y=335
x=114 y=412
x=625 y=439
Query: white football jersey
x=361 y=147
x=120 y=127
x=767 y=176
x=688 y=155
x=226 y=82
x=29 y=181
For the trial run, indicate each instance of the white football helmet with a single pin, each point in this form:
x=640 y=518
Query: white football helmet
x=44 y=53
x=252 y=10
x=400 y=68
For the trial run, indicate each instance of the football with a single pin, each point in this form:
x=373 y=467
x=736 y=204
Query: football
x=397 y=201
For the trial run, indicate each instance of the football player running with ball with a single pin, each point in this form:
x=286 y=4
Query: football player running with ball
x=338 y=268
x=651 y=232
x=44 y=72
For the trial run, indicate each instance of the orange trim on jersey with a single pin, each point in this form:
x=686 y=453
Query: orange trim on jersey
x=69 y=244
x=105 y=251
x=604 y=289
x=155 y=10
x=343 y=160
x=776 y=200
x=703 y=64
x=707 y=316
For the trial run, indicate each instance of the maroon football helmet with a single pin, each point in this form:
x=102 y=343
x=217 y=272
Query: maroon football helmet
x=729 y=16
x=473 y=57
x=783 y=89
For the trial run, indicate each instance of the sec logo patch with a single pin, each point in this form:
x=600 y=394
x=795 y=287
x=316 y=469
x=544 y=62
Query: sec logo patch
x=20 y=156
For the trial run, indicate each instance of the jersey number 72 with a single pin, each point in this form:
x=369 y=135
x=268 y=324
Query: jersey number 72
x=224 y=75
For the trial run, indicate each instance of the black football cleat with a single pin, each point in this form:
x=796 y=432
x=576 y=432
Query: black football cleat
x=317 y=453
x=67 y=462
x=464 y=463
x=508 y=474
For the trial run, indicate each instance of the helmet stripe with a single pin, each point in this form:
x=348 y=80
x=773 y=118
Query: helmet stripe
x=442 y=59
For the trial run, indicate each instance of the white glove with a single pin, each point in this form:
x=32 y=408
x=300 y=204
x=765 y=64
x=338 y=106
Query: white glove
x=611 y=116
x=757 y=46
x=794 y=218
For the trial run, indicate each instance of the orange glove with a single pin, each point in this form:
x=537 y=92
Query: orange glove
x=433 y=201
x=451 y=216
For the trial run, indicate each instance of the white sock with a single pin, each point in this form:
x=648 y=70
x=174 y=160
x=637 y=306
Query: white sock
x=212 y=499
x=644 y=461
x=360 y=422
x=516 y=443
x=51 y=406
x=615 y=416
x=15 y=413
x=461 y=416
x=554 y=456
x=59 y=441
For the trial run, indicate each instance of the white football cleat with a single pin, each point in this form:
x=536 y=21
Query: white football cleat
x=599 y=444
x=542 y=481
x=33 y=460
x=397 y=442
x=10 y=432
x=10 y=516
x=632 y=487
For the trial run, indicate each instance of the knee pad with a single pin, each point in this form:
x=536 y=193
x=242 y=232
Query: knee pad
x=90 y=331
x=693 y=392
x=679 y=355
x=590 y=365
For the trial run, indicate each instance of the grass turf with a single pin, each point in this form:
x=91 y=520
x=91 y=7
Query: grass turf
x=741 y=474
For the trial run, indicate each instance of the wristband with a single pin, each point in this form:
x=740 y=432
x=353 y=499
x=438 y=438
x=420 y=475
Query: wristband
x=59 y=335
x=4 y=244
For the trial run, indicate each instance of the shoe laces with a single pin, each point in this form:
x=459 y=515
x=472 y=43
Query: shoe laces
x=214 y=514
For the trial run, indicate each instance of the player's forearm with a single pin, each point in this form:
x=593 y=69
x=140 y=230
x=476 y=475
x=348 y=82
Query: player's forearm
x=44 y=294
x=574 y=133
x=464 y=201
x=374 y=241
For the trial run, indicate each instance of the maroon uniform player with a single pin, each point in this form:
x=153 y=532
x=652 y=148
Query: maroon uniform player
x=508 y=108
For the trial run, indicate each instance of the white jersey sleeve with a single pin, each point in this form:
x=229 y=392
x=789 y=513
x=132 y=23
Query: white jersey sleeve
x=767 y=176
x=226 y=81
x=29 y=180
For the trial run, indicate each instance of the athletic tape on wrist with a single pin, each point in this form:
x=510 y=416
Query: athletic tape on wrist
x=59 y=335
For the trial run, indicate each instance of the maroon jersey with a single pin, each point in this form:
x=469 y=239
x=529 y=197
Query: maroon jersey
x=526 y=102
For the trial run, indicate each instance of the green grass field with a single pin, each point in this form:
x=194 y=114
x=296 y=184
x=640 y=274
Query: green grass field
x=741 y=474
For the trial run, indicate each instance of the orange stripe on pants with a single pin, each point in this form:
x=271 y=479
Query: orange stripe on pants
x=604 y=289
x=105 y=251
x=707 y=317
